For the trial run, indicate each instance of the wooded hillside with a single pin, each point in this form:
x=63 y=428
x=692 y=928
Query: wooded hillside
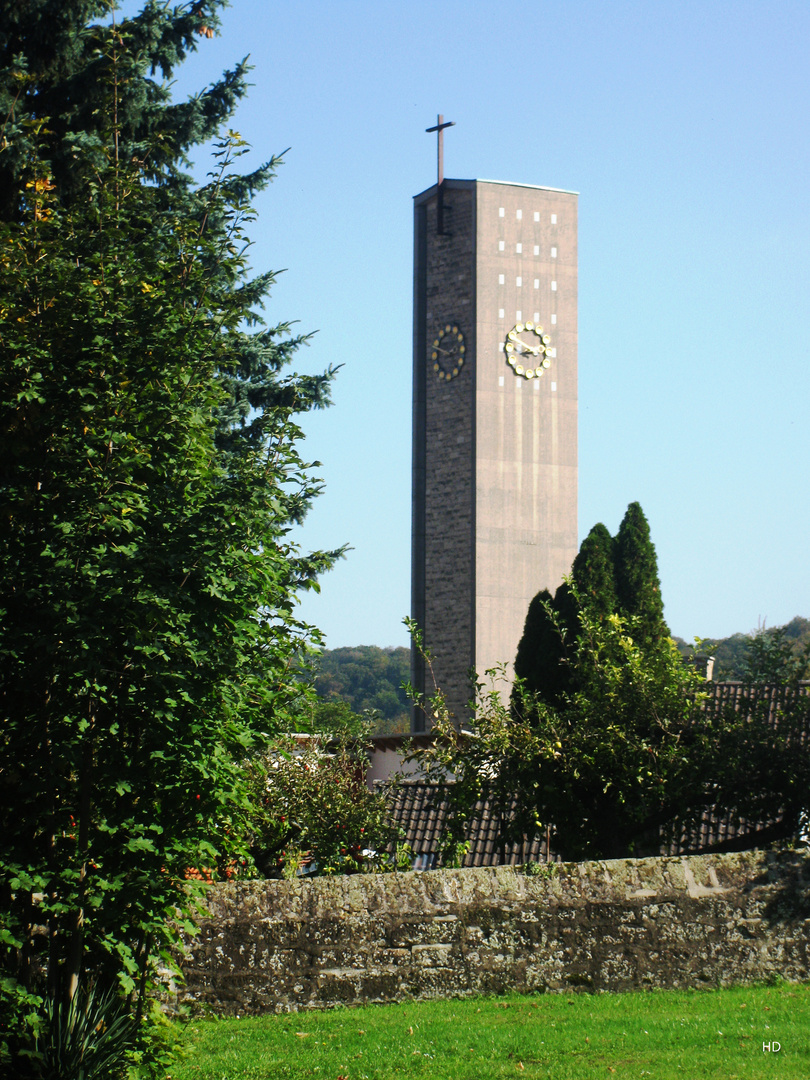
x=368 y=678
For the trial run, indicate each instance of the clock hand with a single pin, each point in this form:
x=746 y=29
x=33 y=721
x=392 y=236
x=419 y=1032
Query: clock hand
x=526 y=350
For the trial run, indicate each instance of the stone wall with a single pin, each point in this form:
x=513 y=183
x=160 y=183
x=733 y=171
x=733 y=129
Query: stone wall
x=274 y=946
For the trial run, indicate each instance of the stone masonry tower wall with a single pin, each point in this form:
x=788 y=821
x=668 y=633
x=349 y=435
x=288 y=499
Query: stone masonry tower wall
x=444 y=455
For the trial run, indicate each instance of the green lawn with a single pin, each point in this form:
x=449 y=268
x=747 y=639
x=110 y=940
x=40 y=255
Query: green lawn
x=661 y=1035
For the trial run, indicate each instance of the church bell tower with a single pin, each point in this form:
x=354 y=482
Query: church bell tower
x=494 y=509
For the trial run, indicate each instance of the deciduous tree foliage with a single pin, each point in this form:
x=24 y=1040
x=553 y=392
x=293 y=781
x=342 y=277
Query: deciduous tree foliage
x=317 y=812
x=150 y=474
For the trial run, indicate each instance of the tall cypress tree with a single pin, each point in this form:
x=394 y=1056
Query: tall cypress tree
x=537 y=663
x=609 y=576
x=593 y=571
x=638 y=589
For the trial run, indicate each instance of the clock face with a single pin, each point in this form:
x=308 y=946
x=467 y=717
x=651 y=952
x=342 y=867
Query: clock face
x=447 y=351
x=528 y=350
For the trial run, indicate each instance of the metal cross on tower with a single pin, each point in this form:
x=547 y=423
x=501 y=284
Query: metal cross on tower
x=439 y=127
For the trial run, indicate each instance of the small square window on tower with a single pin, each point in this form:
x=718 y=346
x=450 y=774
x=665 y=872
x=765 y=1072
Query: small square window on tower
x=537 y=249
x=501 y=279
x=500 y=211
x=537 y=316
x=501 y=245
x=537 y=283
x=537 y=215
x=554 y=253
x=518 y=316
x=519 y=282
x=553 y=219
x=500 y=312
x=553 y=320
x=554 y=286
x=519 y=215
x=519 y=248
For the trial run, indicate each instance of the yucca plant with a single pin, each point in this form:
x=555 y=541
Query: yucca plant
x=87 y=1038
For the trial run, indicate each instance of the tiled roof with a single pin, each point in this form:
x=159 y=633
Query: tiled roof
x=750 y=696
x=420 y=808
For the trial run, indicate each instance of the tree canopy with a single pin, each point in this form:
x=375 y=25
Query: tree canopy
x=370 y=680
x=150 y=476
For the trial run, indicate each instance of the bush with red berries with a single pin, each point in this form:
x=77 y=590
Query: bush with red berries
x=315 y=813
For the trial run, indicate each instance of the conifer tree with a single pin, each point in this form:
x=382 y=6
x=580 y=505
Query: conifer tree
x=638 y=589
x=608 y=576
x=537 y=663
x=55 y=63
x=150 y=475
x=593 y=571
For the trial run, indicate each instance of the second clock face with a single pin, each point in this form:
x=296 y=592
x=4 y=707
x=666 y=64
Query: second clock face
x=448 y=351
x=528 y=350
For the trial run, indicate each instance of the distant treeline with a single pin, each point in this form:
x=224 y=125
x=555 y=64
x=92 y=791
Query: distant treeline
x=368 y=679
x=732 y=655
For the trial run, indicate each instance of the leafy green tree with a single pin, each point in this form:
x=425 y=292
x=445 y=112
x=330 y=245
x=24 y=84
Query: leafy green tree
x=620 y=761
x=629 y=758
x=776 y=655
x=150 y=474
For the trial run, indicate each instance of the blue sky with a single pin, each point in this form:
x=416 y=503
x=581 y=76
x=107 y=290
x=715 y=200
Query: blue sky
x=685 y=129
